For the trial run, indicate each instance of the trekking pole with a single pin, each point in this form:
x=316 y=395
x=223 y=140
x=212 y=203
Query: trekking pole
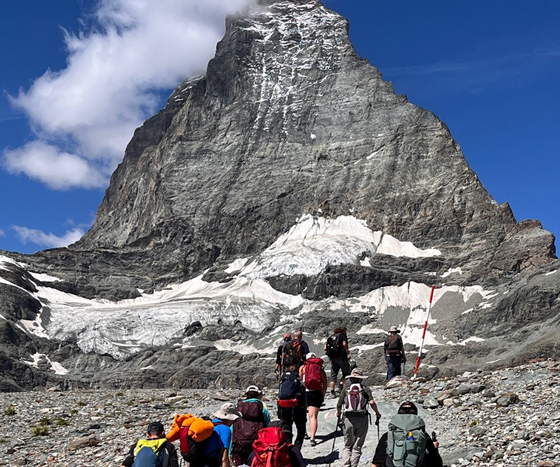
x=424 y=333
x=334 y=434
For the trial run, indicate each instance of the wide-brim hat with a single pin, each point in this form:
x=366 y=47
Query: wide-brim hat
x=358 y=373
x=394 y=329
x=227 y=412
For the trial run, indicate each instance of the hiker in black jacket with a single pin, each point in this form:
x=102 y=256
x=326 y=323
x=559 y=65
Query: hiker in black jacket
x=431 y=457
x=155 y=444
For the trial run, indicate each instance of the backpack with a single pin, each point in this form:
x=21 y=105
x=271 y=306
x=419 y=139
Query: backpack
x=271 y=448
x=393 y=344
x=334 y=346
x=356 y=399
x=313 y=376
x=293 y=353
x=194 y=438
x=290 y=390
x=406 y=441
x=246 y=428
x=149 y=453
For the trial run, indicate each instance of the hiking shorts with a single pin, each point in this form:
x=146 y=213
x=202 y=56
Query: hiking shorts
x=341 y=364
x=315 y=399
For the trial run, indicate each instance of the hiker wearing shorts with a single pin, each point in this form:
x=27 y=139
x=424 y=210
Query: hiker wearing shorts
x=315 y=380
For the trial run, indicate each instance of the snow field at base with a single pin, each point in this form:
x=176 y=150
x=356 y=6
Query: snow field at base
x=311 y=245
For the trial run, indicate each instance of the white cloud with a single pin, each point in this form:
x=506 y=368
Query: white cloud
x=114 y=70
x=2 y=233
x=55 y=168
x=49 y=240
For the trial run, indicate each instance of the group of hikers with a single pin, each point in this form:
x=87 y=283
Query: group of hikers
x=244 y=434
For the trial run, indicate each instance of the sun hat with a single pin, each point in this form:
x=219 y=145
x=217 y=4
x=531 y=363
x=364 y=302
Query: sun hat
x=310 y=355
x=394 y=329
x=227 y=412
x=358 y=373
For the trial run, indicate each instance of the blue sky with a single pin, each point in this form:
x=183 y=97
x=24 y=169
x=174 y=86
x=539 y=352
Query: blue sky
x=78 y=76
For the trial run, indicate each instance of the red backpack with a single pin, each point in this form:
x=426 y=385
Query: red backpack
x=313 y=376
x=271 y=448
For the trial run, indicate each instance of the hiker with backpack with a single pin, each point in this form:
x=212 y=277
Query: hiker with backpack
x=194 y=435
x=294 y=351
x=314 y=378
x=338 y=352
x=406 y=443
x=254 y=417
x=278 y=368
x=272 y=448
x=292 y=403
x=217 y=448
x=155 y=449
x=393 y=350
x=355 y=399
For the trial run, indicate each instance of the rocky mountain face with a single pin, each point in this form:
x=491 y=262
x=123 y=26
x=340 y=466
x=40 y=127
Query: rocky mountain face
x=288 y=187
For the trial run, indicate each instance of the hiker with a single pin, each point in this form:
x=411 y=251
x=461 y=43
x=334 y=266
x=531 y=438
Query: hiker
x=407 y=429
x=273 y=442
x=217 y=449
x=338 y=352
x=292 y=404
x=194 y=435
x=355 y=398
x=294 y=351
x=278 y=369
x=154 y=450
x=393 y=350
x=254 y=416
x=314 y=378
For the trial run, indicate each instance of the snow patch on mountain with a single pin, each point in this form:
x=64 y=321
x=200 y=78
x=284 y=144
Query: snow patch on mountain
x=157 y=319
x=314 y=243
x=55 y=366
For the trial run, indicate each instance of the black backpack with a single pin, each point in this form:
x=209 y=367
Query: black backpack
x=290 y=392
x=293 y=353
x=334 y=348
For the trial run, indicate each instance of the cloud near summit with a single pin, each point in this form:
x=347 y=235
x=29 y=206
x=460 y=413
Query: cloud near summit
x=84 y=115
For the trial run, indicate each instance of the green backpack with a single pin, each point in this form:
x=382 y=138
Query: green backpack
x=406 y=441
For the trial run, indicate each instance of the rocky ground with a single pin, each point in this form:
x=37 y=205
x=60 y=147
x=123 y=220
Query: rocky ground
x=509 y=417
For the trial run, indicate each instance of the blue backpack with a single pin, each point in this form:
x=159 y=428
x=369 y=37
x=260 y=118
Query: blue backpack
x=149 y=453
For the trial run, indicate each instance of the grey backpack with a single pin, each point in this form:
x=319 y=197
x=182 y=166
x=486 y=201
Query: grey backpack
x=406 y=441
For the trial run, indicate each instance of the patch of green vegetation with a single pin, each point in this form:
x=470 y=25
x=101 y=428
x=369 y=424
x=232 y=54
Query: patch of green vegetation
x=10 y=410
x=473 y=423
x=61 y=422
x=40 y=430
x=45 y=421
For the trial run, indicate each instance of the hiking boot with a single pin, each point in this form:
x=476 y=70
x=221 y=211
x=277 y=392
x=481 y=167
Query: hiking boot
x=313 y=443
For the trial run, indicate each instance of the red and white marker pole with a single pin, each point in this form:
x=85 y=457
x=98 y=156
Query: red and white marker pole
x=424 y=333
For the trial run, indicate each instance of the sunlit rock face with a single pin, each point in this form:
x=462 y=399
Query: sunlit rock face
x=288 y=187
